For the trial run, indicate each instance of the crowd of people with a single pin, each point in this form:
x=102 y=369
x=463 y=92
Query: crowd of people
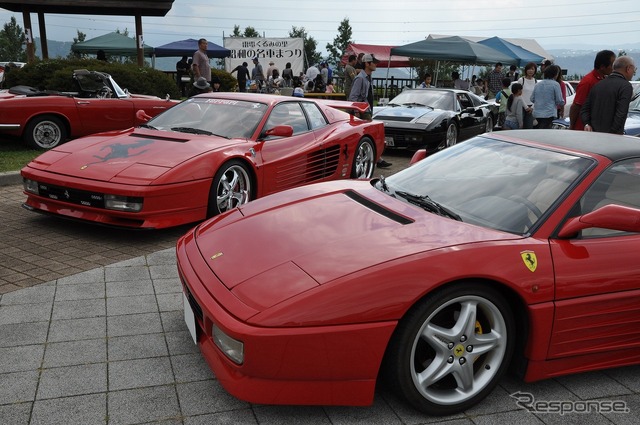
x=601 y=101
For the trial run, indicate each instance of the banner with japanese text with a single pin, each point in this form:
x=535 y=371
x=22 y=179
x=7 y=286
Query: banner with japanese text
x=278 y=50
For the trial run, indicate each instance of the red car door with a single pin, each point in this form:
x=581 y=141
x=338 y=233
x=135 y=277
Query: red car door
x=98 y=115
x=290 y=161
x=598 y=274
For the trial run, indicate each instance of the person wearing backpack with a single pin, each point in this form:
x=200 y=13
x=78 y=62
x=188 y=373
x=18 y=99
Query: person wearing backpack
x=502 y=97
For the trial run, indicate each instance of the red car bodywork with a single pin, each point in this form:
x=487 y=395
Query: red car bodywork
x=316 y=305
x=173 y=171
x=82 y=114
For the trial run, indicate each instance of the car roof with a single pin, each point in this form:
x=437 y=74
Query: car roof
x=613 y=146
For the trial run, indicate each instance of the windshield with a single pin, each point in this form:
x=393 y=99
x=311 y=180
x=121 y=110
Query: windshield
x=437 y=99
x=495 y=184
x=221 y=117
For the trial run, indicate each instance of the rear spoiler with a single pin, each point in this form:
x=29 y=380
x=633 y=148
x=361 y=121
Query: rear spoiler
x=358 y=109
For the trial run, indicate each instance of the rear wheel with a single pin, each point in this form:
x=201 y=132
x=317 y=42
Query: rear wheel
x=232 y=186
x=451 y=349
x=363 y=159
x=451 y=137
x=45 y=132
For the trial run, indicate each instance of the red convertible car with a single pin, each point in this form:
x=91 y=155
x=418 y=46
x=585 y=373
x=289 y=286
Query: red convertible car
x=45 y=119
x=204 y=156
x=518 y=248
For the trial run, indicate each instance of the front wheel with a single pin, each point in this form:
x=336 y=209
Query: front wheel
x=45 y=132
x=451 y=349
x=363 y=160
x=452 y=135
x=232 y=186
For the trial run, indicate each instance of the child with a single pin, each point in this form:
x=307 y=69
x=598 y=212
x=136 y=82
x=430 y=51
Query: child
x=515 y=109
x=502 y=97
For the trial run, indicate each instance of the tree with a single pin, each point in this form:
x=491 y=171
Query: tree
x=340 y=42
x=249 y=32
x=79 y=39
x=310 y=44
x=11 y=42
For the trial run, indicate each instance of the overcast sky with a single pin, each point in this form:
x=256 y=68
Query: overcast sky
x=591 y=24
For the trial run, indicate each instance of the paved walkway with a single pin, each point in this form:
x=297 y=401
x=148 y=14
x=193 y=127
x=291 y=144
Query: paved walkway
x=103 y=341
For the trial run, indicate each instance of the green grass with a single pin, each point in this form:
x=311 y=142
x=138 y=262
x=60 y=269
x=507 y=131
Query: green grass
x=14 y=155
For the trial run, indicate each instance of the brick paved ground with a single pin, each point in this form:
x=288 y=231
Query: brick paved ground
x=35 y=248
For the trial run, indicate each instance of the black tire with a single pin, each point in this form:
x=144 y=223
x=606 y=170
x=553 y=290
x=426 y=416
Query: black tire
x=232 y=186
x=364 y=159
x=451 y=349
x=489 y=125
x=45 y=132
x=451 y=137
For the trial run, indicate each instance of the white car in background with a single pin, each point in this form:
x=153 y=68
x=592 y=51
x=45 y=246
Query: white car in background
x=3 y=65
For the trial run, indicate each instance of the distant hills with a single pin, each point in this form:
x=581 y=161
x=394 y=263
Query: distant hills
x=575 y=61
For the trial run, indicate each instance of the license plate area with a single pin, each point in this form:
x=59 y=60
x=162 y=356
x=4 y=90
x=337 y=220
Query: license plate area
x=189 y=318
x=388 y=140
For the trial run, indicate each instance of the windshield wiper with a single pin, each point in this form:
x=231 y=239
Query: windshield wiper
x=191 y=130
x=413 y=104
x=393 y=105
x=429 y=204
x=147 y=126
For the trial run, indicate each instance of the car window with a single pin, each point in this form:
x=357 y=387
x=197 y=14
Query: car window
x=316 y=119
x=464 y=100
x=619 y=184
x=288 y=113
x=491 y=183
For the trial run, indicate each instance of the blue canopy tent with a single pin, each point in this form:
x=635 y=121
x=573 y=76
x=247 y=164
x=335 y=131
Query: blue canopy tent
x=522 y=55
x=188 y=47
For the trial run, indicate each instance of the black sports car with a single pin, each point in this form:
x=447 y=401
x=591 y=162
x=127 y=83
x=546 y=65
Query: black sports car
x=434 y=119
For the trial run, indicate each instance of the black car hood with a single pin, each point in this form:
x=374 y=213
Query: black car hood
x=404 y=113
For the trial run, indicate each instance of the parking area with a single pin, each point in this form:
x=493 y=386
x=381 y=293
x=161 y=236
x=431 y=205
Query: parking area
x=92 y=332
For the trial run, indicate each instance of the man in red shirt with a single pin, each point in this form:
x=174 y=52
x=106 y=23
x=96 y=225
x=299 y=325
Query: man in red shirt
x=602 y=66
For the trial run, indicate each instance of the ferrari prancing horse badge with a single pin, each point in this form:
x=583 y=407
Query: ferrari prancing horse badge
x=530 y=260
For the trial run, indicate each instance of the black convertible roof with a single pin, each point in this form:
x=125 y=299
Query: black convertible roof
x=612 y=146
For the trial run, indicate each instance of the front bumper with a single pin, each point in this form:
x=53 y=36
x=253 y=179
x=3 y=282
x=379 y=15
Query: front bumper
x=323 y=365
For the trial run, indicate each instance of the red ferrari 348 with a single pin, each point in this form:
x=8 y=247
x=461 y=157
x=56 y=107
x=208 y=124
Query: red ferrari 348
x=204 y=156
x=45 y=119
x=513 y=248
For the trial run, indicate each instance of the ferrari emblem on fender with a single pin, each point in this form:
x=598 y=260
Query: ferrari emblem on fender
x=216 y=255
x=530 y=260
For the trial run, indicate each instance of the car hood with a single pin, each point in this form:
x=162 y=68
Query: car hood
x=632 y=125
x=132 y=155
x=282 y=247
x=404 y=113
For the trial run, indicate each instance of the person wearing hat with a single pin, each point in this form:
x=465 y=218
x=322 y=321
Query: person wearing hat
x=257 y=73
x=272 y=66
x=362 y=90
x=200 y=86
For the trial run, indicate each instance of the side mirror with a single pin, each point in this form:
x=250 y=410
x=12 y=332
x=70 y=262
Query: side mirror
x=612 y=216
x=418 y=156
x=142 y=117
x=280 y=131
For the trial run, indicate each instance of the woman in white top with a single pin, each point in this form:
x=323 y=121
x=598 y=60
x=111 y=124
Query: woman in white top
x=528 y=82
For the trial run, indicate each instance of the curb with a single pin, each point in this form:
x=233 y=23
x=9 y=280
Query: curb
x=10 y=178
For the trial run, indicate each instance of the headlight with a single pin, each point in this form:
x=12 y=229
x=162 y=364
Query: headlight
x=30 y=186
x=426 y=119
x=123 y=203
x=232 y=348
